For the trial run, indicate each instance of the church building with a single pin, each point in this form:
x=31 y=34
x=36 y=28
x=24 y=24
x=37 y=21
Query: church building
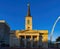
x=29 y=38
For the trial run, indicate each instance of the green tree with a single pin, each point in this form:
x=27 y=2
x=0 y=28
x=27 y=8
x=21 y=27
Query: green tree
x=58 y=39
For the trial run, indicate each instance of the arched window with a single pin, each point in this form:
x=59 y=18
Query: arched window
x=28 y=21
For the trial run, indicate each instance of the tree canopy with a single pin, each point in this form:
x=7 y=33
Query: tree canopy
x=58 y=39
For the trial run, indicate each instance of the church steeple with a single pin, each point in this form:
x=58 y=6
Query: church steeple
x=28 y=20
x=28 y=12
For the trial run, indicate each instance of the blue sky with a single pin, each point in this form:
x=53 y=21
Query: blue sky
x=43 y=12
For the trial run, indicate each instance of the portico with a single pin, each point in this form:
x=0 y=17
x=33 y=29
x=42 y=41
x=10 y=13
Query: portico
x=30 y=38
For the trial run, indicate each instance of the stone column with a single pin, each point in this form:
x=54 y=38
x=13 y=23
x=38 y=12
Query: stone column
x=25 y=41
x=20 y=40
x=31 y=41
x=37 y=41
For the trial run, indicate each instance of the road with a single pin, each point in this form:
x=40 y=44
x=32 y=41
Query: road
x=27 y=48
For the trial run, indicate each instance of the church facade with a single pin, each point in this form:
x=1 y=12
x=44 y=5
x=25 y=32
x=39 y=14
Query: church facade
x=29 y=38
